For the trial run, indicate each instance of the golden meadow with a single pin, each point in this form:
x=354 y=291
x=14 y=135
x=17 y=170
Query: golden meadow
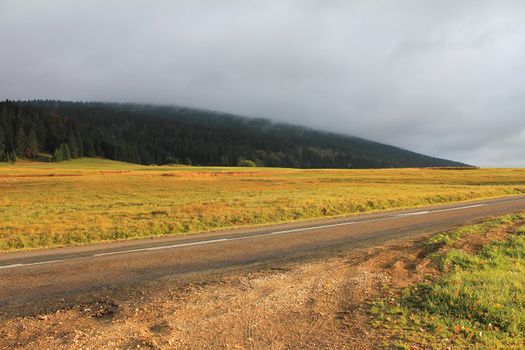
x=93 y=200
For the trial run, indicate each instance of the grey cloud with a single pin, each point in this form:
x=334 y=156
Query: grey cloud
x=444 y=78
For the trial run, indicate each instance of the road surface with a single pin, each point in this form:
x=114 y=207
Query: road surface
x=37 y=276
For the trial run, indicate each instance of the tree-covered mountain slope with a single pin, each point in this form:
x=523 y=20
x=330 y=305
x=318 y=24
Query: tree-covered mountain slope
x=149 y=134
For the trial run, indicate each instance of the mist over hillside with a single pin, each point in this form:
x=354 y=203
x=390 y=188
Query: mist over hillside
x=148 y=134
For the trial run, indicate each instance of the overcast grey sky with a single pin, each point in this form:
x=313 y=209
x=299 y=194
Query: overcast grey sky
x=445 y=78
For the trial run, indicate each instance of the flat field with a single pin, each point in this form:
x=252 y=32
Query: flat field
x=93 y=200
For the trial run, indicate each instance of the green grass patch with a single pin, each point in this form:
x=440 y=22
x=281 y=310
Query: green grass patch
x=477 y=302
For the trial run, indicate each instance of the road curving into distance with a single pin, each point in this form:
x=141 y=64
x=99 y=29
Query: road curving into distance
x=35 y=276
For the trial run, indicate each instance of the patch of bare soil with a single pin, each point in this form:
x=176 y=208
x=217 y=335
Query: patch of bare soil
x=37 y=175
x=315 y=305
x=215 y=173
x=473 y=243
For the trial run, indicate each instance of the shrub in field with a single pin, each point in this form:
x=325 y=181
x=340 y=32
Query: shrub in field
x=246 y=163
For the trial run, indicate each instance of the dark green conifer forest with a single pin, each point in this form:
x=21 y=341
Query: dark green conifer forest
x=146 y=134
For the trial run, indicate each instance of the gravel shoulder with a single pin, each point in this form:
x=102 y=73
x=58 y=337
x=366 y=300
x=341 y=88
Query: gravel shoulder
x=316 y=304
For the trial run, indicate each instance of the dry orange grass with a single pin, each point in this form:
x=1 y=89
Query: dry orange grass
x=92 y=200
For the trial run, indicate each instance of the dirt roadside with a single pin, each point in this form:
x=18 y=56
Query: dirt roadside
x=320 y=304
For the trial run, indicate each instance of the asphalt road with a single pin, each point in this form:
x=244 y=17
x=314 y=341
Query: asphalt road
x=36 y=276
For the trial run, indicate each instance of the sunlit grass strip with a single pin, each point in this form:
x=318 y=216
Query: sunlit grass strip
x=92 y=200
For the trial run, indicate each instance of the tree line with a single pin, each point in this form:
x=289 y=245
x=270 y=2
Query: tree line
x=145 y=134
x=27 y=132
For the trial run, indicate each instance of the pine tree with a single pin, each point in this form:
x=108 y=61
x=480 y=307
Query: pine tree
x=225 y=160
x=65 y=151
x=57 y=155
x=145 y=157
x=80 y=144
x=20 y=142
x=32 y=144
x=5 y=125
x=2 y=145
x=89 y=149
x=13 y=157
x=73 y=147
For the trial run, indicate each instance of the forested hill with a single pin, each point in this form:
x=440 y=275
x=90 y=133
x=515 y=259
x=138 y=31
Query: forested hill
x=160 y=135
